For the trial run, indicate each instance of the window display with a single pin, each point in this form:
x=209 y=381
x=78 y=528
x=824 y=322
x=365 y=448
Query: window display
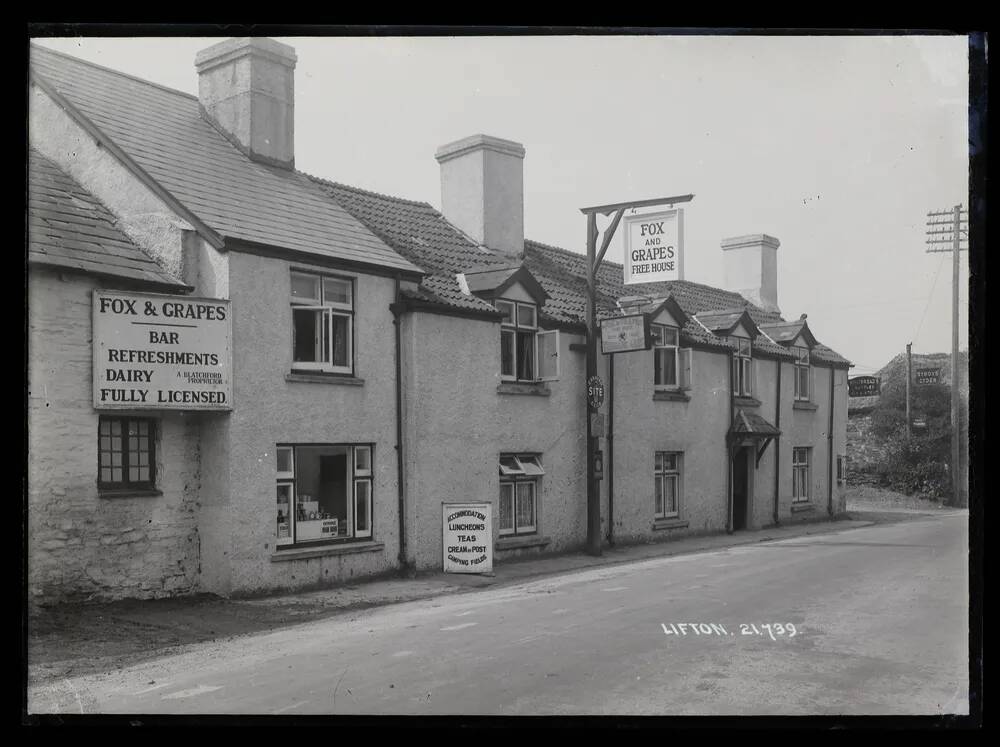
x=324 y=493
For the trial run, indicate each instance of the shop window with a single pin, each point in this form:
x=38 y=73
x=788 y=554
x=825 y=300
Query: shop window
x=126 y=453
x=800 y=474
x=322 y=323
x=742 y=368
x=666 y=484
x=324 y=493
x=671 y=362
x=526 y=353
x=519 y=480
x=801 y=373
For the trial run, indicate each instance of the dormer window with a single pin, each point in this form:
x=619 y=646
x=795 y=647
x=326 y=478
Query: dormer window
x=742 y=368
x=801 y=373
x=526 y=353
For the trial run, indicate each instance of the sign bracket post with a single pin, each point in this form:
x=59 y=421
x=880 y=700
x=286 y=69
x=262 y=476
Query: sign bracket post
x=594 y=260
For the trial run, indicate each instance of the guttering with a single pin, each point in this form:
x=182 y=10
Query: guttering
x=397 y=310
x=611 y=450
x=777 y=445
x=829 y=438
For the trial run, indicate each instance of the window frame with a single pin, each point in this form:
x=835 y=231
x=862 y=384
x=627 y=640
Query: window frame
x=126 y=453
x=660 y=348
x=661 y=474
x=742 y=367
x=516 y=329
x=527 y=469
x=802 y=368
x=803 y=467
x=326 y=310
x=355 y=476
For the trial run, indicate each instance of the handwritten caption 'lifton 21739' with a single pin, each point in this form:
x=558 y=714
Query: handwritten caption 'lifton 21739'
x=774 y=630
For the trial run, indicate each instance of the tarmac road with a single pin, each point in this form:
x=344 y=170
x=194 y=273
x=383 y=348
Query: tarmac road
x=880 y=618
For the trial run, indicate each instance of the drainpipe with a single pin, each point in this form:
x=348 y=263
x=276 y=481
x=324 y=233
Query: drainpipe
x=729 y=453
x=829 y=437
x=611 y=450
x=397 y=312
x=777 y=451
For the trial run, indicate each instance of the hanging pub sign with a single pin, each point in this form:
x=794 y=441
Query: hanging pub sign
x=654 y=247
x=622 y=334
x=467 y=537
x=928 y=375
x=863 y=386
x=159 y=352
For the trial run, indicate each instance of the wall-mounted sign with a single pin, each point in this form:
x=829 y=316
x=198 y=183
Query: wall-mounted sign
x=622 y=334
x=863 y=386
x=595 y=392
x=158 y=352
x=654 y=247
x=928 y=375
x=597 y=425
x=919 y=423
x=467 y=539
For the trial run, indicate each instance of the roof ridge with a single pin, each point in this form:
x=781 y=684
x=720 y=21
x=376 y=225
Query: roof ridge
x=105 y=69
x=341 y=185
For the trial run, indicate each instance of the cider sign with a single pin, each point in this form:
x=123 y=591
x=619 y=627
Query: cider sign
x=654 y=247
x=159 y=352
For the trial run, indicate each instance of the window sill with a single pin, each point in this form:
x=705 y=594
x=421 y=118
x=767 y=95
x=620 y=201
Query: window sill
x=802 y=507
x=670 y=395
x=130 y=493
x=516 y=543
x=740 y=401
x=802 y=405
x=540 y=389
x=315 y=377
x=347 y=548
x=659 y=524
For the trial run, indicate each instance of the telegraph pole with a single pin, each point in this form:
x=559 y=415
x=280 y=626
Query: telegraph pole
x=943 y=228
x=909 y=378
x=594 y=259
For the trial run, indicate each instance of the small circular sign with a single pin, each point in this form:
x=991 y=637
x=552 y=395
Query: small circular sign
x=595 y=392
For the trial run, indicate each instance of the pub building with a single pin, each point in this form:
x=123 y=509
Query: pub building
x=367 y=359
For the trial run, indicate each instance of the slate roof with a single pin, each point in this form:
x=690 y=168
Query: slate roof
x=70 y=229
x=163 y=132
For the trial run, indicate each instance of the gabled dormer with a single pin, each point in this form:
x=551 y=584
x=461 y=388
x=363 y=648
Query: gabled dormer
x=739 y=328
x=527 y=353
x=799 y=340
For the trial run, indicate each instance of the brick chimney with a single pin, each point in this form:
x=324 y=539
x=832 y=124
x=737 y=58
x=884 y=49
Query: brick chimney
x=482 y=190
x=246 y=90
x=751 y=266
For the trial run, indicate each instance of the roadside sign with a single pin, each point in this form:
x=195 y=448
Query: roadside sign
x=863 y=386
x=595 y=392
x=467 y=537
x=623 y=334
x=928 y=375
x=919 y=423
x=654 y=247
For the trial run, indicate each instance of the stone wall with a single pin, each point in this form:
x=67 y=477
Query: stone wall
x=83 y=545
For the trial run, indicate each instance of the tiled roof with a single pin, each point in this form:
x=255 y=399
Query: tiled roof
x=822 y=354
x=421 y=234
x=163 y=132
x=70 y=229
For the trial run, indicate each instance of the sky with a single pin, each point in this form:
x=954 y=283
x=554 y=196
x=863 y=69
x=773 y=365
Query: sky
x=836 y=145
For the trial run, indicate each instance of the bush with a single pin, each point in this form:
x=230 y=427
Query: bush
x=917 y=466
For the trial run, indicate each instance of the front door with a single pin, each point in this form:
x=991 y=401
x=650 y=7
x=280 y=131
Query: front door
x=741 y=468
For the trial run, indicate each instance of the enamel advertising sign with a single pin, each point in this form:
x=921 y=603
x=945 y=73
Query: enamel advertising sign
x=468 y=537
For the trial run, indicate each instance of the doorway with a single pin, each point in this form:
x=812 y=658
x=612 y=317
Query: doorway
x=741 y=487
